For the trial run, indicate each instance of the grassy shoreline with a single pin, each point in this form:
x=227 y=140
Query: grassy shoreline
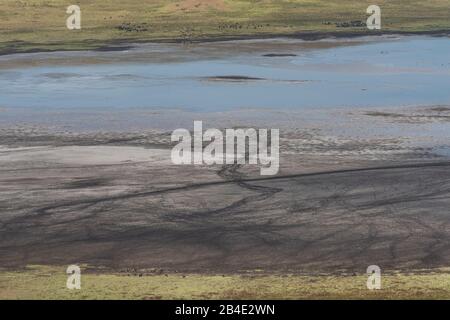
x=49 y=282
x=39 y=25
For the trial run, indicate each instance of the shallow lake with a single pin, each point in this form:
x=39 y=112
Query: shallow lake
x=279 y=73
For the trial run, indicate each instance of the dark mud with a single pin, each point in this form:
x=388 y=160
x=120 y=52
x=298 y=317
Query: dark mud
x=70 y=206
x=233 y=78
x=14 y=47
x=271 y=55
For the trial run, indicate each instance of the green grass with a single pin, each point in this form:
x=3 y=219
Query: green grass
x=44 y=282
x=27 y=25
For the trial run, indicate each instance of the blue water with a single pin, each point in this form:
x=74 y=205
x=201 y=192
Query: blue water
x=406 y=71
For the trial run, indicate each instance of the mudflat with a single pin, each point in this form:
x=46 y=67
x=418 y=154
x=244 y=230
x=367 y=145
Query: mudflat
x=86 y=176
x=114 y=200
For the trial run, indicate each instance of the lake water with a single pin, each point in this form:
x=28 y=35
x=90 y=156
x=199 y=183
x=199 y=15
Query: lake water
x=374 y=72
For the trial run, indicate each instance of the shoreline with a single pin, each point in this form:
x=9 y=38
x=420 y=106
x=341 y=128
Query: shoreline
x=28 y=283
x=127 y=43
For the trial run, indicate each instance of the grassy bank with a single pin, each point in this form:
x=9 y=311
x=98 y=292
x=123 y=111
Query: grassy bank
x=31 y=25
x=41 y=282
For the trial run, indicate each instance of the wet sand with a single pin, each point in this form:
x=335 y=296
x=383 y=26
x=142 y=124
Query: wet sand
x=340 y=203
